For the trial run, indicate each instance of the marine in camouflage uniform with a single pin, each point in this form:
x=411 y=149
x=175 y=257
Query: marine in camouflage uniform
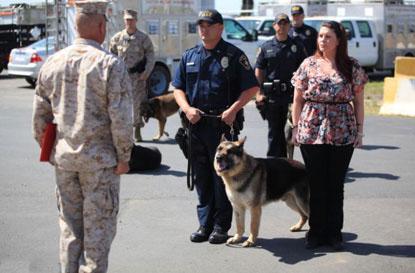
x=86 y=91
x=132 y=45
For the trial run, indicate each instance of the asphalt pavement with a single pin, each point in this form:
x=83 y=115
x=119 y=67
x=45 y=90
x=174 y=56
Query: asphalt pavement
x=158 y=213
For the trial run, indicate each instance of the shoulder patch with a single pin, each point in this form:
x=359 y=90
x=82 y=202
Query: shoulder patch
x=294 y=48
x=243 y=60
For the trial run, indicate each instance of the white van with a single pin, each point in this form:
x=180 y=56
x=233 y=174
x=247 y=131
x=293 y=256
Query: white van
x=363 y=42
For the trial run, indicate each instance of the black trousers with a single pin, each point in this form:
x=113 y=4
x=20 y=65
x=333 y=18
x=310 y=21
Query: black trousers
x=214 y=210
x=327 y=167
x=277 y=118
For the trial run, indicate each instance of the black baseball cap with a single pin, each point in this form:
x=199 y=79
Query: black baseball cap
x=282 y=17
x=297 y=9
x=211 y=16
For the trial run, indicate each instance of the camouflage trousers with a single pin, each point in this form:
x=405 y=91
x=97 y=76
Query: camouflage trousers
x=139 y=95
x=88 y=205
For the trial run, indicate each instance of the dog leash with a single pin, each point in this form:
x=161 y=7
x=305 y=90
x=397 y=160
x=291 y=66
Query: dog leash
x=190 y=178
x=231 y=131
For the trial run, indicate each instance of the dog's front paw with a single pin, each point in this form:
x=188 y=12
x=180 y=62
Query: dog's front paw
x=156 y=138
x=296 y=228
x=236 y=239
x=248 y=243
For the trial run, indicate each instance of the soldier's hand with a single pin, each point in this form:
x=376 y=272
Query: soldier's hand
x=142 y=77
x=260 y=99
x=228 y=116
x=193 y=114
x=122 y=168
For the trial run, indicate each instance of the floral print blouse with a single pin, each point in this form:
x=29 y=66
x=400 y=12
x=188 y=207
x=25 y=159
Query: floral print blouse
x=328 y=115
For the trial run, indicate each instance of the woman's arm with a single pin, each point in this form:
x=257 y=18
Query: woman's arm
x=359 y=111
x=297 y=107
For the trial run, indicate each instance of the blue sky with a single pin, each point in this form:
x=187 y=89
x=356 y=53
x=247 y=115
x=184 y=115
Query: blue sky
x=222 y=5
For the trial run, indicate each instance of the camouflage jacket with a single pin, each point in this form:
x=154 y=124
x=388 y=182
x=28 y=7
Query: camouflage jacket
x=86 y=91
x=133 y=48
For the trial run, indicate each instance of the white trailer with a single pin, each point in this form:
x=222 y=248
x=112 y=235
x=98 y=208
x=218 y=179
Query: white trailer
x=171 y=25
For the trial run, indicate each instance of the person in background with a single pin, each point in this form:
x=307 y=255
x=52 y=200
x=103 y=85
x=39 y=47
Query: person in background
x=277 y=59
x=86 y=92
x=328 y=114
x=301 y=31
x=136 y=49
x=212 y=84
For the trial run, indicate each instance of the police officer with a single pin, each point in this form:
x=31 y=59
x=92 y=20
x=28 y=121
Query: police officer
x=136 y=49
x=303 y=32
x=86 y=91
x=277 y=59
x=213 y=79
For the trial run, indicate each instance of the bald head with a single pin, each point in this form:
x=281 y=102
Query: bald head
x=91 y=26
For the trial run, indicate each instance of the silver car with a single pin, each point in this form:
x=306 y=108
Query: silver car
x=26 y=61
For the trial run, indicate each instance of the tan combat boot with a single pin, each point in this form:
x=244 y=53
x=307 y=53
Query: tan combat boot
x=137 y=134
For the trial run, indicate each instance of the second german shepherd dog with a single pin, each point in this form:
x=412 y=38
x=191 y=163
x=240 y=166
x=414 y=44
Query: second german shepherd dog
x=252 y=182
x=160 y=108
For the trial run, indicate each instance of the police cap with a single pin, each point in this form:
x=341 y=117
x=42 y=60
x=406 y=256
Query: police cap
x=297 y=9
x=282 y=17
x=211 y=16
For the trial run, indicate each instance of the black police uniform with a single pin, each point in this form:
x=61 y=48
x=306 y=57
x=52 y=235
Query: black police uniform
x=212 y=80
x=307 y=36
x=279 y=60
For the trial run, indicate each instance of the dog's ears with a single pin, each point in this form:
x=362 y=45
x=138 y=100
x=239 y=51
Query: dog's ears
x=241 y=142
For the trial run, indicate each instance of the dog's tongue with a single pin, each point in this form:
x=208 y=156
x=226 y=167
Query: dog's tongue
x=222 y=166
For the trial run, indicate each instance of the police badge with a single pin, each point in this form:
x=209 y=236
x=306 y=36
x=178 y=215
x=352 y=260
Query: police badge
x=294 y=48
x=308 y=32
x=224 y=62
x=243 y=60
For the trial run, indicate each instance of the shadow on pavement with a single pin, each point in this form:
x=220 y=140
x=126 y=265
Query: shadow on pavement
x=162 y=170
x=292 y=251
x=162 y=141
x=352 y=176
x=378 y=147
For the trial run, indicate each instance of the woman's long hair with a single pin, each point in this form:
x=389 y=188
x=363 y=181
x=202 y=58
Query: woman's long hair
x=343 y=62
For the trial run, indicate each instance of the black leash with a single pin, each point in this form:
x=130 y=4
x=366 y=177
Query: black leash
x=190 y=177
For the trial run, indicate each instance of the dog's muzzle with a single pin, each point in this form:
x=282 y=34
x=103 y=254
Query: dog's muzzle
x=223 y=163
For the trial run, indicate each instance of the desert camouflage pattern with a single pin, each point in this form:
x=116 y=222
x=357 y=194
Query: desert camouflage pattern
x=91 y=6
x=88 y=204
x=132 y=49
x=86 y=91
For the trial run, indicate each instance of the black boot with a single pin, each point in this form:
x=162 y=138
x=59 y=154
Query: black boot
x=201 y=235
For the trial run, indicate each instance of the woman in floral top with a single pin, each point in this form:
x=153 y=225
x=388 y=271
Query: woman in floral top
x=328 y=112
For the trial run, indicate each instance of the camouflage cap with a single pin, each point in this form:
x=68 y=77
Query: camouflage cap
x=91 y=6
x=297 y=9
x=130 y=14
x=282 y=17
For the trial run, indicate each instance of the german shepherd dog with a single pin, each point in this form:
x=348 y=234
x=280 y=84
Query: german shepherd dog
x=160 y=108
x=251 y=183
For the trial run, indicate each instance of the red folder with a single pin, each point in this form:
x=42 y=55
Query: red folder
x=48 y=142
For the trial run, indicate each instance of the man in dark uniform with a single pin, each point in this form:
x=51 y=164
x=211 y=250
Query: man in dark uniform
x=213 y=79
x=277 y=59
x=303 y=32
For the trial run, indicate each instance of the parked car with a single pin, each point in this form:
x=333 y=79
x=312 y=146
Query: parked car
x=363 y=44
x=237 y=35
x=258 y=25
x=26 y=61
